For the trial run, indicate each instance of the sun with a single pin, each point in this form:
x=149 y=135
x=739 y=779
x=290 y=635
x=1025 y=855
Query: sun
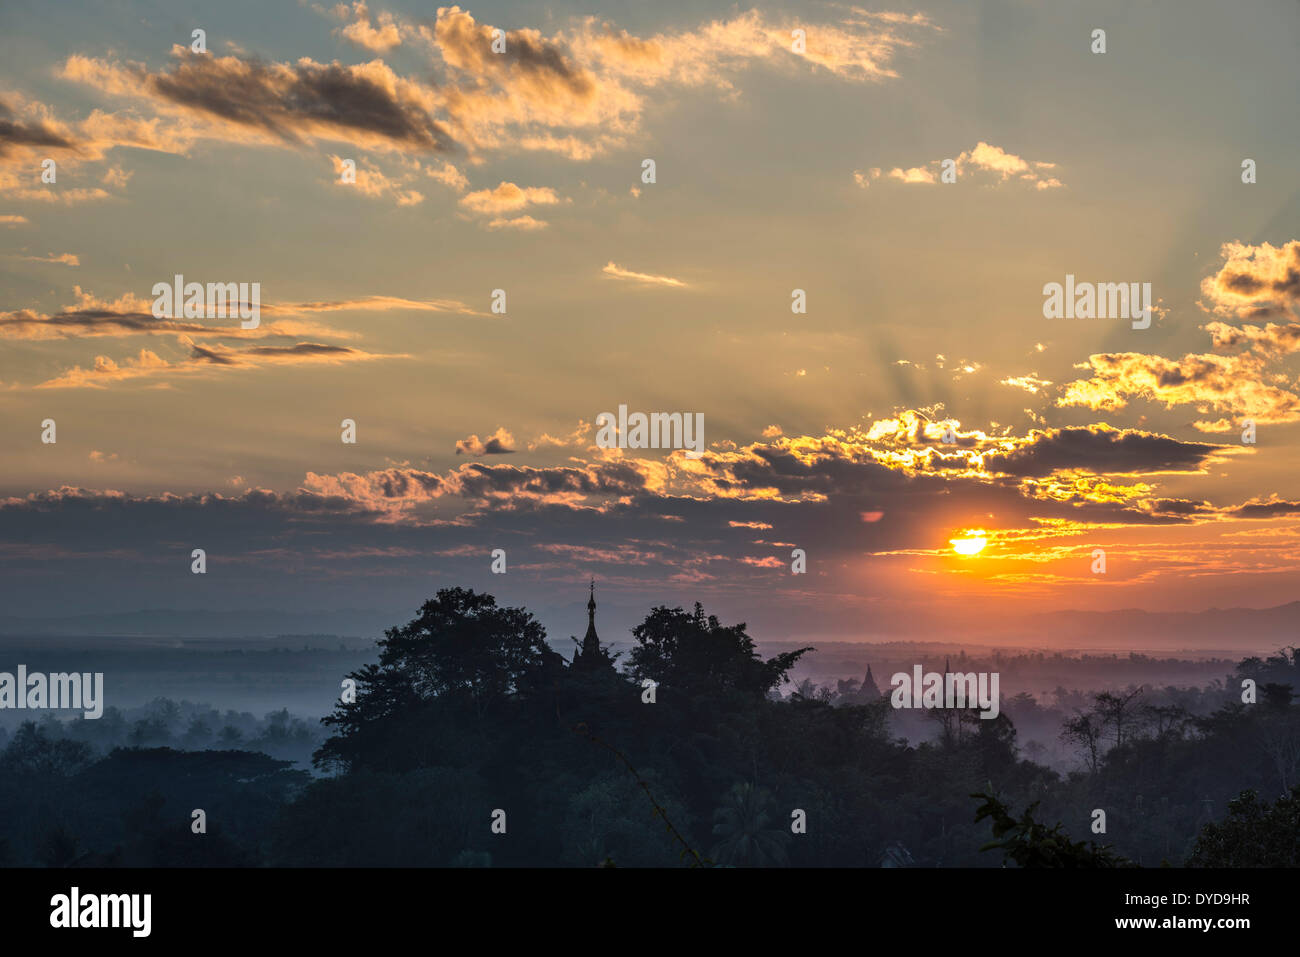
x=972 y=543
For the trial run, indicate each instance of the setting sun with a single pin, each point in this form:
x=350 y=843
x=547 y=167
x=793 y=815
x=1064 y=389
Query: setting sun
x=972 y=544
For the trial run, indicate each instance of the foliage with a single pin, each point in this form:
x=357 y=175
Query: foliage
x=1029 y=843
x=1254 y=834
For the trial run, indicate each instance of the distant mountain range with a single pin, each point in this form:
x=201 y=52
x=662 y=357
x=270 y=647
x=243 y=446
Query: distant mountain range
x=172 y=623
x=1240 y=631
x=1261 y=629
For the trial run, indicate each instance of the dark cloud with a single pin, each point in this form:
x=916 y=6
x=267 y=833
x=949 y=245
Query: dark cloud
x=1101 y=451
x=14 y=133
x=379 y=536
x=1273 y=508
x=26 y=324
x=531 y=59
x=292 y=100
x=300 y=349
x=498 y=443
x=1184 y=508
x=204 y=354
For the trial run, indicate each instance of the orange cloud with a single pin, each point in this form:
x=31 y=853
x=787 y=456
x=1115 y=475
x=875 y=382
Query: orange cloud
x=507 y=197
x=378 y=38
x=525 y=223
x=579 y=92
x=64 y=259
x=204 y=359
x=1255 y=281
x=366 y=104
x=370 y=181
x=984 y=161
x=618 y=272
x=131 y=315
x=498 y=443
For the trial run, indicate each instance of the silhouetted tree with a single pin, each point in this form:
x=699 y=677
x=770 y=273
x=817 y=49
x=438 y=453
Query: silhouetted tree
x=1254 y=834
x=686 y=650
x=1084 y=731
x=743 y=828
x=1031 y=844
x=462 y=652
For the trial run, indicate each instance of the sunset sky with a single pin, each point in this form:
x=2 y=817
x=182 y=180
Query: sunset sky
x=775 y=170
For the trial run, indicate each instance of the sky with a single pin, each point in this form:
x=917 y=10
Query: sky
x=921 y=173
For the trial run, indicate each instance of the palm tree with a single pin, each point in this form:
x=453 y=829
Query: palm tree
x=741 y=823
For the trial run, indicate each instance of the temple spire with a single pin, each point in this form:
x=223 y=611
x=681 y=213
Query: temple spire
x=589 y=655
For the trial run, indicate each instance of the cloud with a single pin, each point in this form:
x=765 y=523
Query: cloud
x=11 y=220
x=63 y=259
x=1030 y=383
x=525 y=223
x=370 y=181
x=1271 y=507
x=131 y=315
x=377 y=39
x=203 y=359
x=250 y=101
x=582 y=91
x=40 y=132
x=579 y=92
x=914 y=175
x=498 y=443
x=818 y=489
x=850 y=500
x=983 y=163
x=577 y=438
x=501 y=487
x=508 y=198
x=68 y=197
x=1101 y=450
x=861 y=47
x=30 y=134
x=1233 y=385
x=618 y=272
x=371 y=304
x=448 y=175
x=117 y=177
x=1271 y=340
x=1255 y=282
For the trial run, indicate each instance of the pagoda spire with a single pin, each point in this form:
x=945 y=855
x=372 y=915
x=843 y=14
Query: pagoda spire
x=591 y=615
x=589 y=655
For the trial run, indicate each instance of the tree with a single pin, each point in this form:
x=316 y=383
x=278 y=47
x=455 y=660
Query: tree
x=686 y=650
x=32 y=752
x=1166 y=719
x=1118 y=711
x=741 y=824
x=462 y=652
x=1031 y=844
x=1084 y=731
x=1279 y=737
x=1254 y=834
